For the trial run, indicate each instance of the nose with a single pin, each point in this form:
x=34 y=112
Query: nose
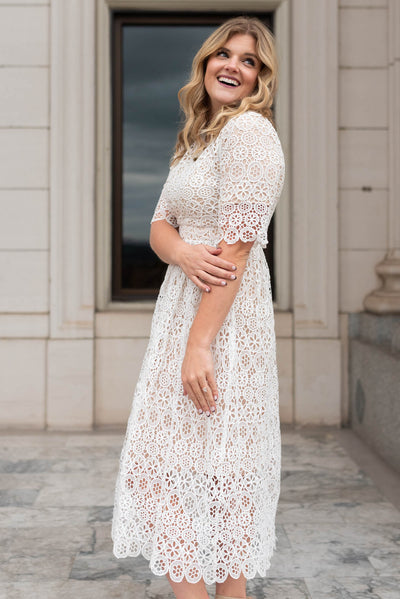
x=233 y=63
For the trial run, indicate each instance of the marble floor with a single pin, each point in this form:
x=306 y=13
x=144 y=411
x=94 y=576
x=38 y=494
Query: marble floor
x=338 y=523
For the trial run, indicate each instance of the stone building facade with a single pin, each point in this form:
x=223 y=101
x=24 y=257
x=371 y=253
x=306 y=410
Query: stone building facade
x=69 y=355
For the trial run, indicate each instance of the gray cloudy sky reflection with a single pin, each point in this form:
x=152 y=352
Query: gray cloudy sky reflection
x=156 y=64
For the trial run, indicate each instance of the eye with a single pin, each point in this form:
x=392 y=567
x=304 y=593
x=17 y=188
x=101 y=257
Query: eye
x=251 y=60
x=221 y=52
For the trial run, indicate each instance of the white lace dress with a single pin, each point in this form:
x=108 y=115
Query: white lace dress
x=197 y=495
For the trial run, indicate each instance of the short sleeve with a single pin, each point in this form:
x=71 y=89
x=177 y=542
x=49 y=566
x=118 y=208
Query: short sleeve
x=252 y=171
x=162 y=211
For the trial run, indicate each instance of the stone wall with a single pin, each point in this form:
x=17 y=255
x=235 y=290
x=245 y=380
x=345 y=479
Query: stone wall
x=374 y=378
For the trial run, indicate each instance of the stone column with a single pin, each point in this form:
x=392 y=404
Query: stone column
x=386 y=299
x=72 y=141
x=314 y=124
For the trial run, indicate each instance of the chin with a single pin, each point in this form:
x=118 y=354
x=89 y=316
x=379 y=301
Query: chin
x=227 y=100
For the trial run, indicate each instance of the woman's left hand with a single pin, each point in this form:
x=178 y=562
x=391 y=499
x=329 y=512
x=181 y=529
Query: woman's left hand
x=198 y=377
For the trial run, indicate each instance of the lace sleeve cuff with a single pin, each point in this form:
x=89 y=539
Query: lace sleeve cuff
x=245 y=221
x=164 y=215
x=162 y=212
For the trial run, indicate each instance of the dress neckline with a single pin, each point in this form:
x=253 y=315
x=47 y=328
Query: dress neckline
x=219 y=134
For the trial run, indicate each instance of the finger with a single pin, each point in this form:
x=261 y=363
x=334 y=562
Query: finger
x=213 y=271
x=208 y=395
x=213 y=250
x=196 y=404
x=200 y=397
x=210 y=280
x=224 y=264
x=200 y=284
x=213 y=386
x=220 y=263
x=193 y=398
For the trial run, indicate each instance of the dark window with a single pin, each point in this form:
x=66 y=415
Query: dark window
x=152 y=57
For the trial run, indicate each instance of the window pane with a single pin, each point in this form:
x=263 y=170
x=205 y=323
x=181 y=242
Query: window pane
x=152 y=57
x=156 y=62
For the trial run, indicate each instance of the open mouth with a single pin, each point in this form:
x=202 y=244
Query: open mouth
x=228 y=82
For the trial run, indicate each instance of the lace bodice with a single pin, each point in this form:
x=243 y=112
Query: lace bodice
x=231 y=190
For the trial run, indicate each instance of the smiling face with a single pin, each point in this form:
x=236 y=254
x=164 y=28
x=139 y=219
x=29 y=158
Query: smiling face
x=232 y=70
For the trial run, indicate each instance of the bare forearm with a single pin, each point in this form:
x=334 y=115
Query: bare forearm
x=165 y=241
x=214 y=307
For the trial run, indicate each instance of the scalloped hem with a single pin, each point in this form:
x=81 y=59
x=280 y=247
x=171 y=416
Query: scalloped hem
x=167 y=219
x=256 y=241
x=260 y=570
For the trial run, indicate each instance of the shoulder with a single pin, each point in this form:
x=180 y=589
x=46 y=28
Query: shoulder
x=250 y=122
x=250 y=136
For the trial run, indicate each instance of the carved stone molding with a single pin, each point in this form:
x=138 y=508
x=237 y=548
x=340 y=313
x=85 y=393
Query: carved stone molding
x=103 y=171
x=314 y=149
x=72 y=142
x=386 y=299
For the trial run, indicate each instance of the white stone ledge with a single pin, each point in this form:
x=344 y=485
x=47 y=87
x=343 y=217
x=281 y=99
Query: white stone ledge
x=24 y=326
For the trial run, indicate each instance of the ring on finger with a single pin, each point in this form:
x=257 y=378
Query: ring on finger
x=204 y=389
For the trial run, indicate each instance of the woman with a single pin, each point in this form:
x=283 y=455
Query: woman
x=199 y=475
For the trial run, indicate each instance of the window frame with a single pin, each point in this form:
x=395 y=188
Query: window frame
x=119 y=19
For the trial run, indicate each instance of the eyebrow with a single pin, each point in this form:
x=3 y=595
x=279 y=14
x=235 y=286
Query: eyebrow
x=244 y=53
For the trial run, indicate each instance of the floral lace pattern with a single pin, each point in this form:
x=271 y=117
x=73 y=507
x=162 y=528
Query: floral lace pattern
x=197 y=496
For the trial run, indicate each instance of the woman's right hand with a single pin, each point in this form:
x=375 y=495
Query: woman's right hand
x=201 y=263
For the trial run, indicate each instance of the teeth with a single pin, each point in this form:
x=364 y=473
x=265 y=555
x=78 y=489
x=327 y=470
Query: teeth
x=227 y=80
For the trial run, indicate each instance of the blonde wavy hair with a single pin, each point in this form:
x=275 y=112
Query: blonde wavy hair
x=193 y=97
